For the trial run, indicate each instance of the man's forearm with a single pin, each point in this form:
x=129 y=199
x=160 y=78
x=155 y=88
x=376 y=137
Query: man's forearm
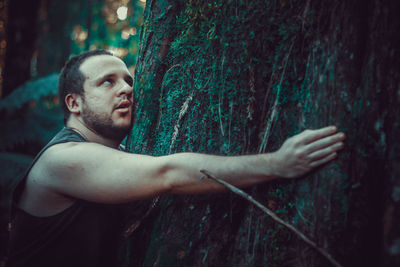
x=297 y=156
x=182 y=171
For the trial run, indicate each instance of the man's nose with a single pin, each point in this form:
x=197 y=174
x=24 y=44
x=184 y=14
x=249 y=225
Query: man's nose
x=125 y=89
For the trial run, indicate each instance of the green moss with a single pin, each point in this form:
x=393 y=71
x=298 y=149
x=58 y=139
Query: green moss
x=228 y=66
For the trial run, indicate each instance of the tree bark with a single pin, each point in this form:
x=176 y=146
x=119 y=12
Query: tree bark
x=239 y=77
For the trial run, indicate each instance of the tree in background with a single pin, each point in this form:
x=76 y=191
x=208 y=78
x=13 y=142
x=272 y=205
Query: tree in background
x=239 y=77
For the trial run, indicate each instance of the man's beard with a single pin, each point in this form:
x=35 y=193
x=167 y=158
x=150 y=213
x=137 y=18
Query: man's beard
x=103 y=124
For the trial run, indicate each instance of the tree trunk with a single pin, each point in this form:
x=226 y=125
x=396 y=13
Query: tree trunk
x=20 y=44
x=239 y=77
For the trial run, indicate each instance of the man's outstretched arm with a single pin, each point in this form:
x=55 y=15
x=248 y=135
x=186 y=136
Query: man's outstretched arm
x=97 y=173
x=297 y=156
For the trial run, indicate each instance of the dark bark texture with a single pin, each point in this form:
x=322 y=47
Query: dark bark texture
x=239 y=77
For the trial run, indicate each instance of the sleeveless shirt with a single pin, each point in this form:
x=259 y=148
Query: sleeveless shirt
x=84 y=234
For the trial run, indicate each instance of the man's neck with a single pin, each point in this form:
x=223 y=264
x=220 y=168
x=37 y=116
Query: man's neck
x=89 y=134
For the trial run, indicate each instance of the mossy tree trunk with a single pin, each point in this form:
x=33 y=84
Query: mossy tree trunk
x=239 y=77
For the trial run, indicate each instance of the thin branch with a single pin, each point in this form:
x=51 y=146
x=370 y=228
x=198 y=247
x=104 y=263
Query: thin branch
x=273 y=216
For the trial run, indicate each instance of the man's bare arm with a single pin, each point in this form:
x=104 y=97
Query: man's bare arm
x=297 y=156
x=97 y=173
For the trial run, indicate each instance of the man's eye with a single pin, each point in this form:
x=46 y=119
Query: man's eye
x=108 y=82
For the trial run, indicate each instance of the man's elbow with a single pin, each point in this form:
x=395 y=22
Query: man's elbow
x=166 y=175
x=175 y=177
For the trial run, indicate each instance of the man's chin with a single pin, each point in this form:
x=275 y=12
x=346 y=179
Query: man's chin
x=123 y=128
x=115 y=128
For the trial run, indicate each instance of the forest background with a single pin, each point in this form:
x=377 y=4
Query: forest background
x=229 y=77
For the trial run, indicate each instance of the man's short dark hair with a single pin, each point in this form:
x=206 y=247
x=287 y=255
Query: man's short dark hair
x=71 y=78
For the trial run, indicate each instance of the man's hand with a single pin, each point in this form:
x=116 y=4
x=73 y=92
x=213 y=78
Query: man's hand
x=307 y=150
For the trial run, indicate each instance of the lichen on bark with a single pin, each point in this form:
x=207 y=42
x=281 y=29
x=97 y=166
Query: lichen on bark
x=239 y=77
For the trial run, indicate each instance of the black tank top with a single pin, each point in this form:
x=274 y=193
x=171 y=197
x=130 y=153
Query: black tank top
x=85 y=234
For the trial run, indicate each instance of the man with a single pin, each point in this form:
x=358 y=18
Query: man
x=63 y=215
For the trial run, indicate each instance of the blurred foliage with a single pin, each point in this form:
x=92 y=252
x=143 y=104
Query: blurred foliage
x=31 y=113
x=30 y=92
x=108 y=29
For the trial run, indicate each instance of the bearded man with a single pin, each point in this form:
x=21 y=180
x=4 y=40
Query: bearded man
x=64 y=209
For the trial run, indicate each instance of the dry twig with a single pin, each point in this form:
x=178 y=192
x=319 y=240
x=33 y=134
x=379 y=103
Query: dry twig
x=273 y=216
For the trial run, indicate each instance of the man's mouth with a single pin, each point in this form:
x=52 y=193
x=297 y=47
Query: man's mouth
x=123 y=106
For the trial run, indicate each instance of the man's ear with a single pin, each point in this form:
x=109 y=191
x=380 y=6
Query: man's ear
x=74 y=103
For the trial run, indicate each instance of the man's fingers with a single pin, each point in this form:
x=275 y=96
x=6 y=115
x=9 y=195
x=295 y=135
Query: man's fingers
x=323 y=160
x=325 y=142
x=313 y=135
x=321 y=153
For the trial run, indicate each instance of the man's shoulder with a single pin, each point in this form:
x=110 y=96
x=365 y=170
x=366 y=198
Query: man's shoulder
x=56 y=150
x=55 y=155
x=67 y=157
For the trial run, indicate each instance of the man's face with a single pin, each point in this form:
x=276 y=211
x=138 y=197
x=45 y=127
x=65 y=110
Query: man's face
x=108 y=97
